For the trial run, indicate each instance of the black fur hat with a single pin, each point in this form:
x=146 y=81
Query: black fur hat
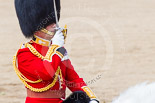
x=34 y=15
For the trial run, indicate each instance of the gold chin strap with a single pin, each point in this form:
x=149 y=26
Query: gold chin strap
x=53 y=33
x=47 y=32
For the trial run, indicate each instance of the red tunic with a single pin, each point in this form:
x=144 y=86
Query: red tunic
x=42 y=100
x=35 y=68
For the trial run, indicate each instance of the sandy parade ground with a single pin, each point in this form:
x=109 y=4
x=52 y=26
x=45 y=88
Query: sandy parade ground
x=111 y=44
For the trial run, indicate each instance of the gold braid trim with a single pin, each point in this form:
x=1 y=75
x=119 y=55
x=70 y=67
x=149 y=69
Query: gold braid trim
x=89 y=92
x=50 y=52
x=58 y=53
x=34 y=51
x=25 y=80
x=20 y=75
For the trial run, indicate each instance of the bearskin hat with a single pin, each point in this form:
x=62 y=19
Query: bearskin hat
x=34 y=15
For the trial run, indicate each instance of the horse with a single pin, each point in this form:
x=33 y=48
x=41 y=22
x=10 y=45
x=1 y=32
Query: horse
x=141 y=93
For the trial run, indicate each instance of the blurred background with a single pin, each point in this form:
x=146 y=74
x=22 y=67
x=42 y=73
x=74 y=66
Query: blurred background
x=111 y=44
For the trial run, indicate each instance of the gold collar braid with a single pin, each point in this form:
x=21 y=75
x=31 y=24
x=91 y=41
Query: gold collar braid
x=41 y=41
x=25 y=80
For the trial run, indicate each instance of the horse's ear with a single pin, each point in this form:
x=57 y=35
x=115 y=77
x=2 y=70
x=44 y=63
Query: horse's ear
x=77 y=97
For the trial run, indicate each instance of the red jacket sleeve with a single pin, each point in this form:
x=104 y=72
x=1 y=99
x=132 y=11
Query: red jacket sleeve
x=73 y=81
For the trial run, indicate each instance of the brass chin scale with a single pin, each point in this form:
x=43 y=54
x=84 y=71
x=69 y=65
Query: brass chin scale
x=53 y=33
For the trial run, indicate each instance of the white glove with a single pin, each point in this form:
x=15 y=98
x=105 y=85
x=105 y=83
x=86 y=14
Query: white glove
x=58 y=38
x=93 y=101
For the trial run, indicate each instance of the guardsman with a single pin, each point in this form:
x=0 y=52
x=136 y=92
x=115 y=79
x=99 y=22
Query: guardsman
x=42 y=64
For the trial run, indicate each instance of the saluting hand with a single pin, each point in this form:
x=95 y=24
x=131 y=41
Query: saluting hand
x=58 y=38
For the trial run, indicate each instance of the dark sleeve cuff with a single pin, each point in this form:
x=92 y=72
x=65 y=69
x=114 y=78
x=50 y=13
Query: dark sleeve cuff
x=61 y=50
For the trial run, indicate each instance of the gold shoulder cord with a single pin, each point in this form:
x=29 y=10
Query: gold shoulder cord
x=25 y=80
